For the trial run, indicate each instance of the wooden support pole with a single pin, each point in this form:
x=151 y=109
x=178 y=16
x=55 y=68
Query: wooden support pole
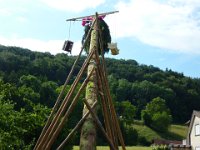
x=105 y=110
x=78 y=125
x=62 y=108
x=105 y=105
x=58 y=101
x=110 y=115
x=107 y=116
x=69 y=110
x=113 y=112
x=98 y=123
x=119 y=133
x=96 y=69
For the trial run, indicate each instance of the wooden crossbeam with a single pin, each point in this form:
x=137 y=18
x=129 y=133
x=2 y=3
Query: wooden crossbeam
x=101 y=14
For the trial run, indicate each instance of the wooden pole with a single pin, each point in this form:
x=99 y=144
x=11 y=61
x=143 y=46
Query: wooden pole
x=58 y=101
x=111 y=124
x=99 y=125
x=116 y=122
x=88 y=132
x=62 y=108
x=69 y=110
x=78 y=125
x=106 y=86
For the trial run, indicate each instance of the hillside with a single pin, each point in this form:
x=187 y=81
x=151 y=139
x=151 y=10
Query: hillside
x=128 y=79
x=176 y=132
x=31 y=81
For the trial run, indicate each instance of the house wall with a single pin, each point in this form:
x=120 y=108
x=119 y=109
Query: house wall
x=195 y=140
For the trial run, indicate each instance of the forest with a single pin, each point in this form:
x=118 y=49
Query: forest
x=31 y=81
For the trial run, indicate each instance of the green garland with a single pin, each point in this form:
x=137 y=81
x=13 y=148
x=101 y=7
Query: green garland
x=106 y=37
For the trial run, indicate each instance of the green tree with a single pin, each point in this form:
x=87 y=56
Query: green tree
x=10 y=131
x=48 y=93
x=30 y=81
x=161 y=121
x=126 y=111
x=19 y=129
x=157 y=115
x=123 y=89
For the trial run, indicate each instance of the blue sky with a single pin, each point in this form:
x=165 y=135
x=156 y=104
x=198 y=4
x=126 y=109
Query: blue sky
x=163 y=33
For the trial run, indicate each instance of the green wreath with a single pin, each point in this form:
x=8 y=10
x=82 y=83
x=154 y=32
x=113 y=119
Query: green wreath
x=106 y=37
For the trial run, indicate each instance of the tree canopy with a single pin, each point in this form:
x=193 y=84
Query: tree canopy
x=30 y=83
x=157 y=115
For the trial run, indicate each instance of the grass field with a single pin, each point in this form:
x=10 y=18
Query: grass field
x=127 y=148
x=179 y=130
x=176 y=132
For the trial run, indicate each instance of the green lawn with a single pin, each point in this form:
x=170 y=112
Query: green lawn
x=127 y=148
x=179 y=130
x=176 y=132
x=146 y=132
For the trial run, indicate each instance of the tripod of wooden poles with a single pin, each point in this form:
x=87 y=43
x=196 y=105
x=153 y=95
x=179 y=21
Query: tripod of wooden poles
x=63 y=108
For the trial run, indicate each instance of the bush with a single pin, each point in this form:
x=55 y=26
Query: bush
x=161 y=121
x=157 y=115
x=160 y=147
x=130 y=135
x=146 y=118
x=143 y=141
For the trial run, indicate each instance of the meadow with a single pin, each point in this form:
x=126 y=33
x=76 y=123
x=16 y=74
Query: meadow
x=127 y=148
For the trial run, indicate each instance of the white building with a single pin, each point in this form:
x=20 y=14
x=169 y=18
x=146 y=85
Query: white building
x=193 y=137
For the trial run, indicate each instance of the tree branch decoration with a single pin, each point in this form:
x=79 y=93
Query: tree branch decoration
x=105 y=33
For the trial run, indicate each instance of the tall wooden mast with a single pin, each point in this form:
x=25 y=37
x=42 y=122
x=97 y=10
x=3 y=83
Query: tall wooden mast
x=88 y=132
x=96 y=84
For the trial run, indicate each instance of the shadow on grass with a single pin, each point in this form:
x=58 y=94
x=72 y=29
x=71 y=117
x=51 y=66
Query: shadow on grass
x=171 y=136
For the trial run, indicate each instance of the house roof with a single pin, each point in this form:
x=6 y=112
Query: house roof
x=197 y=113
x=194 y=114
x=181 y=146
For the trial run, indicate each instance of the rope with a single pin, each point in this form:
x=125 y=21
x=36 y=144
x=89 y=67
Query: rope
x=69 y=32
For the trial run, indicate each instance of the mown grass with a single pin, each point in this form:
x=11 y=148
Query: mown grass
x=175 y=132
x=127 y=148
x=179 y=130
x=144 y=131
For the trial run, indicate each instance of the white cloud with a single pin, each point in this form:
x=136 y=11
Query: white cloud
x=73 y=5
x=21 y=19
x=5 y=12
x=170 y=24
x=10 y=7
x=52 y=46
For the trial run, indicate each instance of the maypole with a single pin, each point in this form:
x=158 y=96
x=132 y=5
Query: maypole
x=88 y=132
x=95 y=43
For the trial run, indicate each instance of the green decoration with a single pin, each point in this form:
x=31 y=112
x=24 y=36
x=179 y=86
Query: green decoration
x=106 y=37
